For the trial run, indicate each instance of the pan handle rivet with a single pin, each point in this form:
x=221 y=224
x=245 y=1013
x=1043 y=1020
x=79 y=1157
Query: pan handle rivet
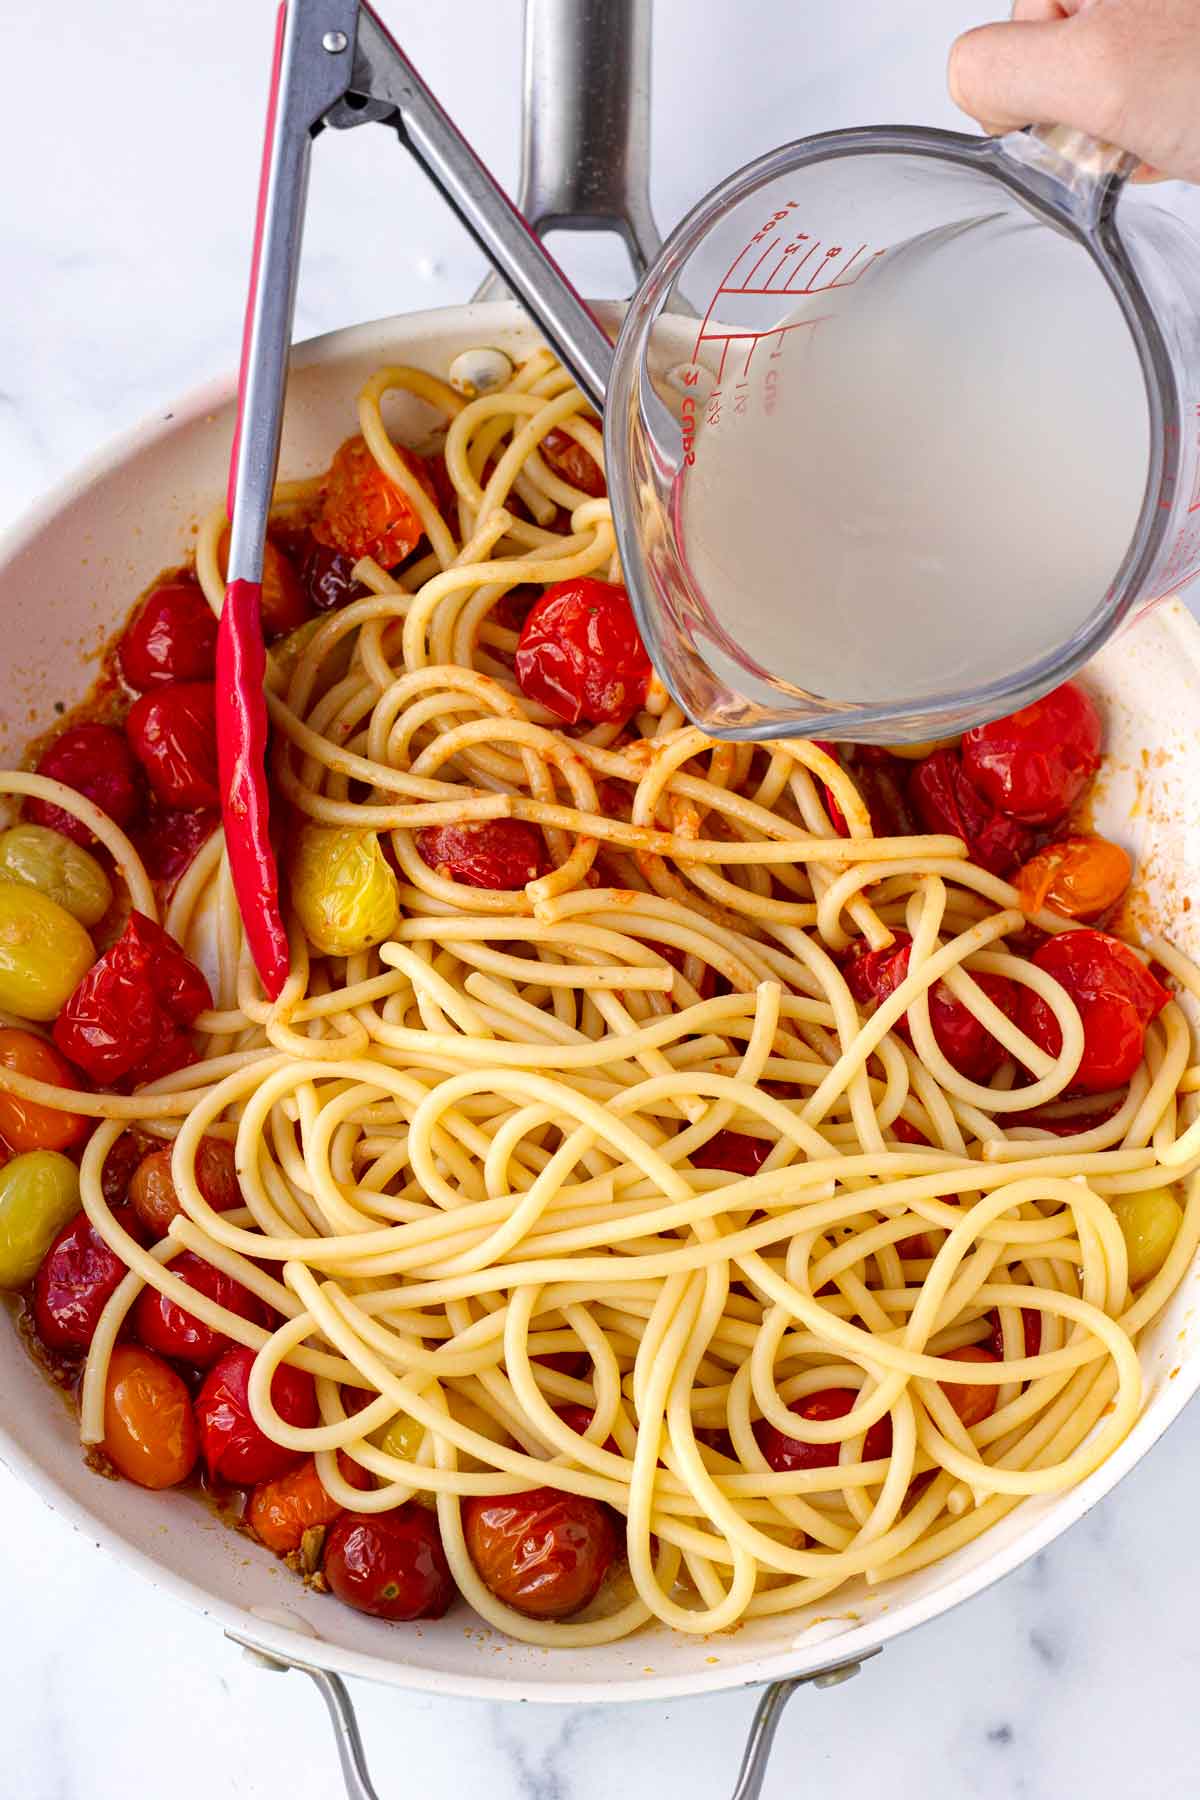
x=335 y=42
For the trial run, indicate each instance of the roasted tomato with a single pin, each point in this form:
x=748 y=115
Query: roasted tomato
x=579 y=1418
x=389 y=1564
x=572 y=463
x=128 y=1017
x=281 y=1511
x=171 y=637
x=173 y=733
x=1117 y=997
x=544 y=1553
x=1031 y=1326
x=172 y=1331
x=734 y=1151
x=879 y=780
x=496 y=853
x=787 y=1454
x=152 y=1189
x=966 y=1044
x=233 y=1447
x=1035 y=763
x=283 y=603
x=170 y=837
x=972 y=1401
x=1080 y=877
x=96 y=761
x=365 y=514
x=945 y=800
x=149 y=1431
x=327 y=578
x=78 y=1276
x=24 y=1124
x=580 y=655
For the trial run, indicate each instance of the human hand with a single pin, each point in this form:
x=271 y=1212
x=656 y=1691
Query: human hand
x=1126 y=71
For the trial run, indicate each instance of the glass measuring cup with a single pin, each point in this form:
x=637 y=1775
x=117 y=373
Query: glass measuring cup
x=901 y=426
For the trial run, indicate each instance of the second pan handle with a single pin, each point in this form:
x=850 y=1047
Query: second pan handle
x=585 y=152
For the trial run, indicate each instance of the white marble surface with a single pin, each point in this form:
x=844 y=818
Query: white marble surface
x=129 y=141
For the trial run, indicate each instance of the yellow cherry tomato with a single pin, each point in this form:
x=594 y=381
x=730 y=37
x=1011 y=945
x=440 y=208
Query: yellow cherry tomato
x=39 y=1194
x=343 y=889
x=44 y=953
x=34 y=856
x=1149 y=1224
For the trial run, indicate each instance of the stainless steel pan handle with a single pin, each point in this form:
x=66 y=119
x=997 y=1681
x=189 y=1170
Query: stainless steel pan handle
x=585 y=151
x=352 y=1756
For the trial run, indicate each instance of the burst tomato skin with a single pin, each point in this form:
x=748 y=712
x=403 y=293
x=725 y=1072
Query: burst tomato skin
x=364 y=513
x=580 y=655
x=233 y=1447
x=170 y=836
x=573 y=463
x=544 y=1553
x=169 y=1329
x=390 y=1564
x=78 y=1276
x=1035 y=764
x=787 y=1454
x=152 y=1192
x=945 y=800
x=1117 y=997
x=96 y=761
x=734 y=1151
x=173 y=733
x=127 y=1019
x=966 y=1044
x=171 y=637
x=327 y=578
x=496 y=853
x=1079 y=876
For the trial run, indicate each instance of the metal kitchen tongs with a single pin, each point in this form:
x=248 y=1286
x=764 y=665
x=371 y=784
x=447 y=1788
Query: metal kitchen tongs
x=336 y=64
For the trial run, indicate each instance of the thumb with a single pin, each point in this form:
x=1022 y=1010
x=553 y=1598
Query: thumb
x=1031 y=73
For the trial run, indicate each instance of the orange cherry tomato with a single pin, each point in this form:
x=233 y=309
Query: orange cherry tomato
x=152 y=1188
x=281 y=1511
x=973 y=1402
x=545 y=1553
x=24 y=1124
x=1080 y=877
x=365 y=514
x=285 y=604
x=149 y=1430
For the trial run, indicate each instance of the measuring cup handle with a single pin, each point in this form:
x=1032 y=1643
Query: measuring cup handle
x=585 y=152
x=1079 y=174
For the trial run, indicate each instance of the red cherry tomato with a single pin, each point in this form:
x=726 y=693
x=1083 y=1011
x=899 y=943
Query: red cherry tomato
x=172 y=1331
x=173 y=733
x=25 y=1124
x=572 y=463
x=497 y=853
x=579 y=1418
x=281 y=1511
x=565 y=1362
x=283 y=602
x=364 y=513
x=233 y=1447
x=543 y=1553
x=169 y=838
x=117 y=1173
x=149 y=1431
x=171 y=637
x=580 y=654
x=1036 y=763
x=945 y=800
x=908 y=1134
x=972 y=1401
x=444 y=490
x=966 y=1044
x=389 y=1564
x=152 y=1187
x=734 y=1151
x=95 y=760
x=787 y=1454
x=1117 y=997
x=128 y=1017
x=877 y=776
x=1031 y=1325
x=78 y=1276
x=326 y=577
